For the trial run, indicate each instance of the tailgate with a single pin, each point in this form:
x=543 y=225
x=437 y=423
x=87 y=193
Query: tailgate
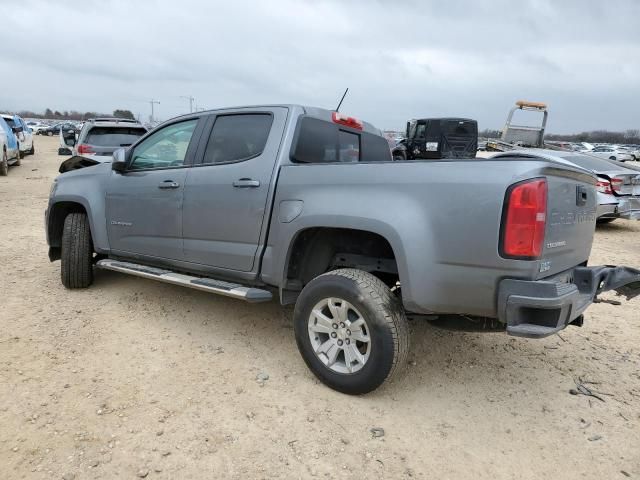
x=571 y=215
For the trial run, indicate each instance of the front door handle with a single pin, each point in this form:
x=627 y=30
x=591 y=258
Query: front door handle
x=168 y=184
x=246 y=183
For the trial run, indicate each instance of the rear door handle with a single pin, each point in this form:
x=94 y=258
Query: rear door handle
x=168 y=184
x=246 y=183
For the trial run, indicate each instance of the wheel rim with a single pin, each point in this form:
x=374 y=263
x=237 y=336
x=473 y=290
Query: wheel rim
x=339 y=335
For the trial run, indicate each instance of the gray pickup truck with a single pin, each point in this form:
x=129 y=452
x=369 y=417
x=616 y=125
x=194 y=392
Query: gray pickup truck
x=307 y=204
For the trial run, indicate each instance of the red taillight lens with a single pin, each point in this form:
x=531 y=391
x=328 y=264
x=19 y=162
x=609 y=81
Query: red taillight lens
x=84 y=149
x=616 y=184
x=603 y=186
x=525 y=219
x=346 y=121
x=608 y=187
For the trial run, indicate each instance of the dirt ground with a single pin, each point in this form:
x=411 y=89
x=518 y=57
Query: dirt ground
x=134 y=378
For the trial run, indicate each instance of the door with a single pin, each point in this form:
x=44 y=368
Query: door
x=144 y=203
x=28 y=135
x=225 y=197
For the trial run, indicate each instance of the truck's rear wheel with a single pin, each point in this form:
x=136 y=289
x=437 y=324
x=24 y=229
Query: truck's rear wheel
x=351 y=330
x=76 y=268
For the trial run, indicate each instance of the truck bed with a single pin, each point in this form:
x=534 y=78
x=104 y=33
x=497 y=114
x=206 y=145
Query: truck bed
x=443 y=215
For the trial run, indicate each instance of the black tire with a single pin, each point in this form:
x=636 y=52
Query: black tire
x=33 y=149
x=399 y=156
x=4 y=164
x=385 y=319
x=76 y=269
x=612 y=157
x=602 y=221
x=20 y=155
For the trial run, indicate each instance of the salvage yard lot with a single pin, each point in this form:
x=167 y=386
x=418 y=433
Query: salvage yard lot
x=134 y=377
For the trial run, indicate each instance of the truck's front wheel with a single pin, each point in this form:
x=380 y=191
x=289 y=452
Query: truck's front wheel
x=351 y=330
x=76 y=268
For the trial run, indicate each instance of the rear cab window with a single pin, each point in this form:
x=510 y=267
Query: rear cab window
x=320 y=141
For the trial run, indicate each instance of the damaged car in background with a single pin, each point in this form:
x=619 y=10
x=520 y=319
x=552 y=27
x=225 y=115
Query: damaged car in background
x=618 y=183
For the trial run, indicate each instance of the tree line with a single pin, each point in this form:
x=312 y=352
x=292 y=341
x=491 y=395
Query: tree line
x=74 y=115
x=630 y=136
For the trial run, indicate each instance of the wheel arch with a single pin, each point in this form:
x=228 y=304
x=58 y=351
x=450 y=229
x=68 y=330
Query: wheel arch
x=314 y=250
x=55 y=223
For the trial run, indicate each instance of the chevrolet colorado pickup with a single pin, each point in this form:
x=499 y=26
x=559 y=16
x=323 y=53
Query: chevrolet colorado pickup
x=307 y=204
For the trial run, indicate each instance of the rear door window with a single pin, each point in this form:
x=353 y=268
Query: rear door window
x=237 y=137
x=113 y=137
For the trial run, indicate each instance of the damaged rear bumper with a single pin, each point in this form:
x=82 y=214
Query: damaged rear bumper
x=629 y=208
x=536 y=309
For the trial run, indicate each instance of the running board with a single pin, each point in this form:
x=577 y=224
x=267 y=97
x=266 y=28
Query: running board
x=242 y=292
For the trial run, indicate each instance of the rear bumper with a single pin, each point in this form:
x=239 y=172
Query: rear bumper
x=629 y=208
x=536 y=309
x=607 y=210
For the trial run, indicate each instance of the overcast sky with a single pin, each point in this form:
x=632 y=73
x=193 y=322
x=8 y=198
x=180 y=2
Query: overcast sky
x=400 y=59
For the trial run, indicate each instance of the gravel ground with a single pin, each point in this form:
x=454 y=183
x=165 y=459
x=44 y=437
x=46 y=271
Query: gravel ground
x=133 y=379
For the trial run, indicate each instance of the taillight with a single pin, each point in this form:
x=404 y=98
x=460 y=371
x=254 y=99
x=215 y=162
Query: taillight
x=616 y=184
x=524 y=219
x=603 y=186
x=608 y=187
x=84 y=149
x=346 y=121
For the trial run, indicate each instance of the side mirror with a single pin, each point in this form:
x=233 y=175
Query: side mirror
x=119 y=162
x=16 y=129
x=406 y=135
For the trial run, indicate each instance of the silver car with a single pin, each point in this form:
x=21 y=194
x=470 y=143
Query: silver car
x=100 y=137
x=618 y=187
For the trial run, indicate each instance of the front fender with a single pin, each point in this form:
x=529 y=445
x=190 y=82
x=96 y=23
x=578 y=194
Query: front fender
x=86 y=187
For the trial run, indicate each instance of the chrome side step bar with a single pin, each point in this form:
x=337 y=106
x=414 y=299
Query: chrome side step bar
x=242 y=292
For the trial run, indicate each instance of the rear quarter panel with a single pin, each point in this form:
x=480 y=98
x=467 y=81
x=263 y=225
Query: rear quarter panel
x=442 y=219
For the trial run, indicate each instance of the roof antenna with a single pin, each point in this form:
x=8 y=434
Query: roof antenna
x=342 y=99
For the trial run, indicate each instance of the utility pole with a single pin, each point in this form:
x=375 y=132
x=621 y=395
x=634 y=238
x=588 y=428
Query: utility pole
x=153 y=102
x=191 y=99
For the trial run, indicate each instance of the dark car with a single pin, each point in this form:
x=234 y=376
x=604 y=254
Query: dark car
x=55 y=129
